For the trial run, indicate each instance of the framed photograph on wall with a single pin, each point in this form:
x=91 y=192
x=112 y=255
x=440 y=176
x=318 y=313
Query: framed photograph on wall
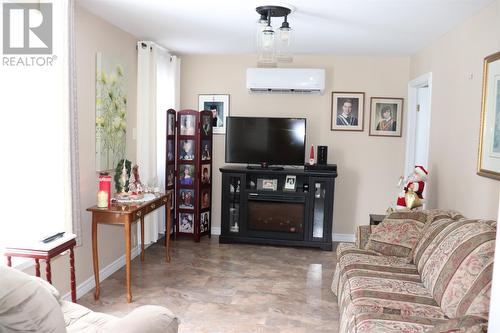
x=347 y=111
x=386 y=116
x=219 y=105
x=489 y=136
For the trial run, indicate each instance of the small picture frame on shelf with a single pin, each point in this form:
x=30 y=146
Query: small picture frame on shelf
x=267 y=184
x=290 y=183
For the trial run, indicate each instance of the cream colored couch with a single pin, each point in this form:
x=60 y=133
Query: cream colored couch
x=30 y=304
x=442 y=286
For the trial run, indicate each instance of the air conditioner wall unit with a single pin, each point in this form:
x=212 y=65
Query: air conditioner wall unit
x=286 y=80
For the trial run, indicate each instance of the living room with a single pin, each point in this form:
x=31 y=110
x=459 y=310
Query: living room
x=363 y=50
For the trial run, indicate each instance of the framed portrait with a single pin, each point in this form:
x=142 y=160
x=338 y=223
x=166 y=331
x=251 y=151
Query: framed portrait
x=219 y=105
x=170 y=150
x=170 y=175
x=186 y=223
x=186 y=176
x=348 y=109
x=267 y=184
x=386 y=116
x=205 y=198
x=290 y=183
x=205 y=173
x=188 y=124
x=186 y=150
x=204 y=221
x=489 y=136
x=186 y=199
x=206 y=150
x=170 y=124
x=206 y=125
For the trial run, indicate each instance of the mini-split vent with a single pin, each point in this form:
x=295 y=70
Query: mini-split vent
x=286 y=80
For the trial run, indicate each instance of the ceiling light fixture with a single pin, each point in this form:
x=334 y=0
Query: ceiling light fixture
x=271 y=48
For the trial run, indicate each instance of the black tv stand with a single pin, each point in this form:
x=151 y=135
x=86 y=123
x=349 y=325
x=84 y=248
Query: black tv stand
x=264 y=167
x=279 y=215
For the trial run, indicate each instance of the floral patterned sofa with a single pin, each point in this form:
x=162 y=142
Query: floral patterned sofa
x=425 y=271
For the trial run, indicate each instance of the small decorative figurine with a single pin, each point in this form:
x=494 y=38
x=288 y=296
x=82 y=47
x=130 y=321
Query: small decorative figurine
x=122 y=174
x=411 y=196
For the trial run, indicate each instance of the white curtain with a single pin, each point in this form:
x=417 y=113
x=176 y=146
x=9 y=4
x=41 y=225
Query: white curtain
x=157 y=91
x=169 y=84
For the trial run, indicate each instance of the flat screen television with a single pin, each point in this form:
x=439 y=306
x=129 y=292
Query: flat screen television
x=265 y=141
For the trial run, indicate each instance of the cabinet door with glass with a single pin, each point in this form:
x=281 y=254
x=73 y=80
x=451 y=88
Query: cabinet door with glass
x=232 y=188
x=321 y=204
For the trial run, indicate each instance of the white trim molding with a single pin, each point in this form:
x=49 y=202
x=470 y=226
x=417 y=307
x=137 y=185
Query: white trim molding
x=350 y=238
x=104 y=273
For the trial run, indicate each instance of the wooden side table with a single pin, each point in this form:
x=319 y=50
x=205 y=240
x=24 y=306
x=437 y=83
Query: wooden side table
x=39 y=250
x=127 y=214
x=376 y=218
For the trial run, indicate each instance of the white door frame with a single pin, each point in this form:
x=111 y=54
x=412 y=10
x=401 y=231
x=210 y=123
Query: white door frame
x=411 y=119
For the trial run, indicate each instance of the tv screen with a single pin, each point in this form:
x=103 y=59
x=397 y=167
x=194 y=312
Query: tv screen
x=253 y=140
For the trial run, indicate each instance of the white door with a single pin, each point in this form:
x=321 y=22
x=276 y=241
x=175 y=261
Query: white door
x=422 y=124
x=418 y=123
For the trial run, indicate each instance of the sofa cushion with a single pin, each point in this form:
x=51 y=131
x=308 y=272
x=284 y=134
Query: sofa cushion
x=398 y=233
x=27 y=304
x=436 y=220
x=457 y=266
x=386 y=294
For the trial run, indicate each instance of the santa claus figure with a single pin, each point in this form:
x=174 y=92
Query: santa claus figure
x=415 y=183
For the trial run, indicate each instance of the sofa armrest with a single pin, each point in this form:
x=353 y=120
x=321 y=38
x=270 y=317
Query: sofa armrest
x=362 y=235
x=147 y=318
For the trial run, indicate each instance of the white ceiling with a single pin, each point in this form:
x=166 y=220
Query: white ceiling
x=346 y=27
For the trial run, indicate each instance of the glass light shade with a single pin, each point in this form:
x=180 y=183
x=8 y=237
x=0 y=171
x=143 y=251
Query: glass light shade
x=283 y=45
x=267 y=47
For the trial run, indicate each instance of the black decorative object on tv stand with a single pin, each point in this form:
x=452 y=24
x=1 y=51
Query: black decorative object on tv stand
x=277 y=216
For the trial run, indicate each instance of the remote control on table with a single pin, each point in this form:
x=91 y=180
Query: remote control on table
x=53 y=237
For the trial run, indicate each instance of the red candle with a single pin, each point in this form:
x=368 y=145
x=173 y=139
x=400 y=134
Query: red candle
x=105 y=185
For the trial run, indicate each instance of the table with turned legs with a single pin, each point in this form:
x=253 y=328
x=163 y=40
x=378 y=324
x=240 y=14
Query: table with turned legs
x=127 y=214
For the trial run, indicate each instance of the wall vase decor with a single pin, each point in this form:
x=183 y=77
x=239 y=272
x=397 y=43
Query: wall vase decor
x=489 y=137
x=111 y=112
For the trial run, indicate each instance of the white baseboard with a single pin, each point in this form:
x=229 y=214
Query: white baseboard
x=350 y=238
x=215 y=231
x=104 y=273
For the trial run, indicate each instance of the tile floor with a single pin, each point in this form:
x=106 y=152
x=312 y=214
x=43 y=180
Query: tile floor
x=223 y=288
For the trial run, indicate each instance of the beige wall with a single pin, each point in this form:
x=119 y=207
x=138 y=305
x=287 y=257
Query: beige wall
x=455 y=61
x=92 y=34
x=368 y=167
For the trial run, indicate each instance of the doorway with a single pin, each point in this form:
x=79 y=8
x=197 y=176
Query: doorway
x=418 y=122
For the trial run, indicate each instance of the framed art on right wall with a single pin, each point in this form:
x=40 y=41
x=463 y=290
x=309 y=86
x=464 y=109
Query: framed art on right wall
x=488 y=164
x=386 y=116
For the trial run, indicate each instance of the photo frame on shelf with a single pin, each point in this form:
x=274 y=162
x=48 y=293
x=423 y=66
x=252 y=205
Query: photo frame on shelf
x=290 y=183
x=218 y=104
x=489 y=136
x=267 y=184
x=348 y=109
x=386 y=116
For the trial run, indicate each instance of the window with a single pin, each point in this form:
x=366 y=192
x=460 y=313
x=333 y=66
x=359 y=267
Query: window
x=35 y=167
